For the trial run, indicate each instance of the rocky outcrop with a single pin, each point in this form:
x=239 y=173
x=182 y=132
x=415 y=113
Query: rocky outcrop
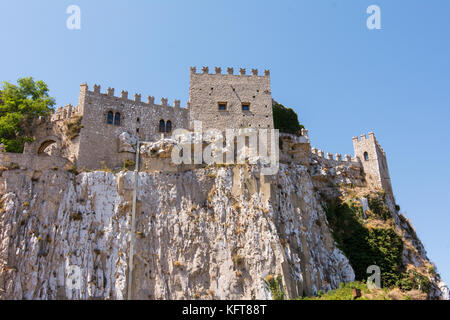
x=214 y=232
x=208 y=232
x=127 y=142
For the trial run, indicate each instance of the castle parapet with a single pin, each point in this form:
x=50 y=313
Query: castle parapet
x=230 y=71
x=137 y=97
x=364 y=137
x=84 y=88
x=333 y=160
x=123 y=96
x=61 y=113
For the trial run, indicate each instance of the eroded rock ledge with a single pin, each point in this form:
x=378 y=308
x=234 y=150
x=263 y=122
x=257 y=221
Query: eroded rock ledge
x=210 y=233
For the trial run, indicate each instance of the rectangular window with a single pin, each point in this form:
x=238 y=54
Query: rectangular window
x=246 y=107
x=222 y=106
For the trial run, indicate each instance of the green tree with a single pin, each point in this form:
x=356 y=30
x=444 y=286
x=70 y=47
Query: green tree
x=285 y=119
x=19 y=105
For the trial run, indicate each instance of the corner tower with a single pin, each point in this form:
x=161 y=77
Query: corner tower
x=373 y=159
x=230 y=101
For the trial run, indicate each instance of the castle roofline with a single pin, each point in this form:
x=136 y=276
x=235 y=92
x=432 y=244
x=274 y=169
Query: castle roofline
x=230 y=71
x=124 y=96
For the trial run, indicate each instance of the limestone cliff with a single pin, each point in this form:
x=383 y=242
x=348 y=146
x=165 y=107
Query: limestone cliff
x=208 y=233
x=220 y=232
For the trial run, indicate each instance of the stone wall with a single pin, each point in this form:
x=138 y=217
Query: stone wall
x=22 y=161
x=99 y=140
x=374 y=162
x=207 y=90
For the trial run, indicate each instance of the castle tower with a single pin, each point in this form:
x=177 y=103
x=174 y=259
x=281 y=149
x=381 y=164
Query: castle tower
x=373 y=159
x=230 y=101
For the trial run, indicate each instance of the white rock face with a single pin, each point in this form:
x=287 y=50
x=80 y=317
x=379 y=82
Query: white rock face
x=445 y=294
x=127 y=142
x=207 y=233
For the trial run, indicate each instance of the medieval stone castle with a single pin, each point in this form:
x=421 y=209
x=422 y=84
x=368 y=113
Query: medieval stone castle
x=88 y=135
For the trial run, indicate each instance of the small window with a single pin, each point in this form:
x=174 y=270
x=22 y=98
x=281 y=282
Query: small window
x=169 y=126
x=222 y=106
x=137 y=130
x=162 y=126
x=110 y=118
x=138 y=120
x=366 y=156
x=246 y=107
x=117 y=119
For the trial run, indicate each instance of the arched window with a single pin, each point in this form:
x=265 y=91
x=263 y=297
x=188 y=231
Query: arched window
x=162 y=126
x=110 y=118
x=117 y=119
x=366 y=156
x=169 y=126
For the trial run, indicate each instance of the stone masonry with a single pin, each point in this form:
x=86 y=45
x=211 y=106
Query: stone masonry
x=219 y=100
x=373 y=159
x=246 y=99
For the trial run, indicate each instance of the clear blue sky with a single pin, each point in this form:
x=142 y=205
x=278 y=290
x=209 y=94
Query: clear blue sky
x=341 y=78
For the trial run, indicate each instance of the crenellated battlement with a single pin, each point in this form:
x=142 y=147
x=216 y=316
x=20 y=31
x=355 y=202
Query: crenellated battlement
x=337 y=158
x=63 y=113
x=230 y=71
x=219 y=98
x=363 y=137
x=245 y=97
x=124 y=96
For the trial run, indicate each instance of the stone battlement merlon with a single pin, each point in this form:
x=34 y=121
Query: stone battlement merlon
x=364 y=137
x=230 y=71
x=124 y=96
x=371 y=137
x=337 y=158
